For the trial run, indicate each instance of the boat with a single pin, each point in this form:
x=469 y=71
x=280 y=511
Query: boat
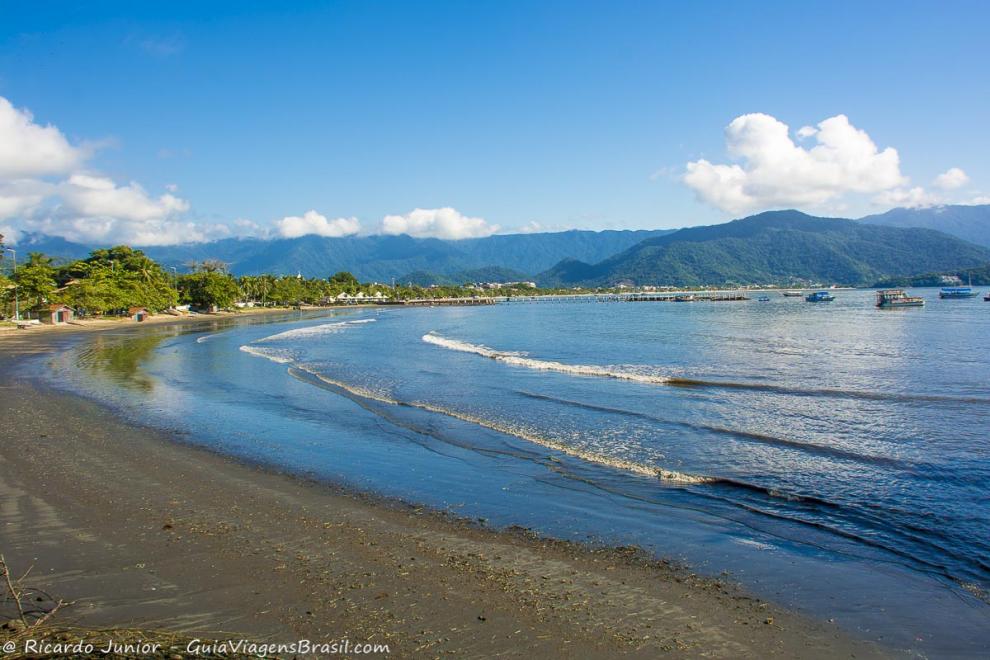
x=792 y=294
x=689 y=297
x=953 y=292
x=987 y=297
x=764 y=298
x=819 y=296
x=895 y=298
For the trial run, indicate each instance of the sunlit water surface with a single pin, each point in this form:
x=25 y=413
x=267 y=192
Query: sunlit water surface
x=831 y=456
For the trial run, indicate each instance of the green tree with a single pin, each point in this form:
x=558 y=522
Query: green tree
x=344 y=280
x=36 y=279
x=209 y=289
x=115 y=279
x=288 y=291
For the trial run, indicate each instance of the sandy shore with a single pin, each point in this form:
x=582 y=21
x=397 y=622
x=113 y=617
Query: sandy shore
x=142 y=531
x=8 y=330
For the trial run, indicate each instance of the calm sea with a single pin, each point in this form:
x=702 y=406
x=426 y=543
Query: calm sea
x=831 y=456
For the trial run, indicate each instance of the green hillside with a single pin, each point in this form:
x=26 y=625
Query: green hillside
x=777 y=247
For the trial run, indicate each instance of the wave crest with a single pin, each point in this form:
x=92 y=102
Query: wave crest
x=314 y=330
x=522 y=360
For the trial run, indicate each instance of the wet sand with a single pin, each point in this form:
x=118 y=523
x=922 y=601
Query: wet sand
x=141 y=530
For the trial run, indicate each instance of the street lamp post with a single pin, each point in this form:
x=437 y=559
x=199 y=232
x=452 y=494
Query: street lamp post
x=17 y=302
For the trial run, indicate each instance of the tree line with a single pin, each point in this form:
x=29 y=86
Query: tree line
x=113 y=280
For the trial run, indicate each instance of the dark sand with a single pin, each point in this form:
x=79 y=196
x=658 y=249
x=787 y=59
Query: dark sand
x=142 y=531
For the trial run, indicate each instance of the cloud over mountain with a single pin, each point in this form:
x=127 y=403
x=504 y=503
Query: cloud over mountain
x=951 y=179
x=446 y=223
x=772 y=170
x=45 y=186
x=312 y=222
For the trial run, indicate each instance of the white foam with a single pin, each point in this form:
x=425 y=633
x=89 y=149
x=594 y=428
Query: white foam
x=663 y=474
x=670 y=476
x=314 y=330
x=275 y=356
x=521 y=360
x=200 y=340
x=756 y=544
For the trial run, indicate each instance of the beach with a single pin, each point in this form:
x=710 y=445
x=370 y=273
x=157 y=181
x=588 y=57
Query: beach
x=141 y=529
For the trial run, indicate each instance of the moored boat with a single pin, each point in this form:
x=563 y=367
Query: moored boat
x=819 y=296
x=952 y=292
x=894 y=298
x=792 y=294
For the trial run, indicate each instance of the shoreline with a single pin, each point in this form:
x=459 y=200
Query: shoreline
x=118 y=323
x=167 y=535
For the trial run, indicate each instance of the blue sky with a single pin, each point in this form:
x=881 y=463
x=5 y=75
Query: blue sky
x=565 y=114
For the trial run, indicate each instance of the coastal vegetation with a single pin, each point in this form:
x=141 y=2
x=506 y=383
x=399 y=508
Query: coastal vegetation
x=976 y=276
x=114 y=280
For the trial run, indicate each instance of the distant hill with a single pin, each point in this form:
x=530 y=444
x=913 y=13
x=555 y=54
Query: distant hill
x=776 y=247
x=487 y=274
x=970 y=223
x=979 y=276
x=381 y=258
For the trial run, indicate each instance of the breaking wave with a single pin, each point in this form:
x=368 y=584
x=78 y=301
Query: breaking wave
x=663 y=474
x=314 y=330
x=670 y=476
x=521 y=360
x=630 y=372
x=282 y=357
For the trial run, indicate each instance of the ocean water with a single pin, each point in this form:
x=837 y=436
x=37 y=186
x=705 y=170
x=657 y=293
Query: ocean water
x=833 y=457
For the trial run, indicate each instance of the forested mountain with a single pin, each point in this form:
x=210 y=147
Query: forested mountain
x=776 y=247
x=970 y=223
x=380 y=258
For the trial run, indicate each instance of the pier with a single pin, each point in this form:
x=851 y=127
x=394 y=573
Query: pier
x=441 y=302
x=682 y=296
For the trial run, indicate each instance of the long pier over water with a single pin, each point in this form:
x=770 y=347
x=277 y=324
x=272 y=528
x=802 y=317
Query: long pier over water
x=705 y=296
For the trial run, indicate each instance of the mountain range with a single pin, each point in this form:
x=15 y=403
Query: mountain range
x=776 y=247
x=970 y=223
x=381 y=258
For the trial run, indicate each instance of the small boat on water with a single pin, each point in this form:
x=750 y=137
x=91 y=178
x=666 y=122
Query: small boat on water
x=819 y=296
x=952 y=292
x=987 y=297
x=895 y=298
x=792 y=294
x=688 y=297
x=764 y=298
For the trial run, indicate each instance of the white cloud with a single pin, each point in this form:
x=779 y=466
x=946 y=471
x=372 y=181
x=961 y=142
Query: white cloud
x=312 y=222
x=951 y=179
x=775 y=172
x=21 y=196
x=531 y=227
x=249 y=228
x=103 y=230
x=97 y=196
x=445 y=223
x=85 y=207
x=28 y=149
x=10 y=234
x=915 y=197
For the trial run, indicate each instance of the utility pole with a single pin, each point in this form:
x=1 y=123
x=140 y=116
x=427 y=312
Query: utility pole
x=17 y=302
